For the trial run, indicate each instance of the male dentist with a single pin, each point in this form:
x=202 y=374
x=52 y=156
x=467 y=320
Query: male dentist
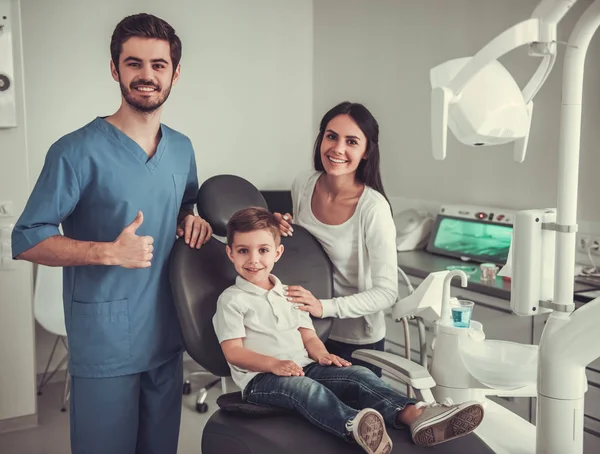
x=122 y=187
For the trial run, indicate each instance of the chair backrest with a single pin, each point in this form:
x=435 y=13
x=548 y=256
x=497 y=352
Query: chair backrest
x=199 y=276
x=48 y=308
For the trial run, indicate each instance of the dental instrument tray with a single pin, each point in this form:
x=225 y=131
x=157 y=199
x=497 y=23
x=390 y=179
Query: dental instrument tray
x=480 y=234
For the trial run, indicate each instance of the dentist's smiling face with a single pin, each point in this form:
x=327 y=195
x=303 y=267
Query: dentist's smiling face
x=343 y=146
x=254 y=255
x=145 y=73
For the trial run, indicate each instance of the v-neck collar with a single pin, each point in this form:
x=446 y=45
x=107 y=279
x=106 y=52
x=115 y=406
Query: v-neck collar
x=132 y=146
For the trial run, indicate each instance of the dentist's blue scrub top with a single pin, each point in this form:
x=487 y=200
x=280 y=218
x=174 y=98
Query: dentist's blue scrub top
x=94 y=181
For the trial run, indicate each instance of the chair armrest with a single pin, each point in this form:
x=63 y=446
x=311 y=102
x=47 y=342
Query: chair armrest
x=400 y=368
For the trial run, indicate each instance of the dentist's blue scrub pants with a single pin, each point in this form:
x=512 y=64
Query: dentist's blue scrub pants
x=137 y=413
x=124 y=336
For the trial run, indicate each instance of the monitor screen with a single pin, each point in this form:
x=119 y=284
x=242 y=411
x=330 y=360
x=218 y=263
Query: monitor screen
x=481 y=241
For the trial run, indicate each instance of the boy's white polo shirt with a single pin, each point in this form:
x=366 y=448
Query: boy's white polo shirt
x=267 y=323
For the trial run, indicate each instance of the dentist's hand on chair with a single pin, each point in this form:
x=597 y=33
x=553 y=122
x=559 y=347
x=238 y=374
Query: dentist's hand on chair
x=304 y=300
x=195 y=230
x=285 y=223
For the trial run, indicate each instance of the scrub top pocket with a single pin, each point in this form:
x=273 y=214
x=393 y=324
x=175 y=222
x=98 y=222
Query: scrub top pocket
x=99 y=333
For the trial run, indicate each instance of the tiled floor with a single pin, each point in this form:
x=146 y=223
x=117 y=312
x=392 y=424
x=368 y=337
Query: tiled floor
x=51 y=436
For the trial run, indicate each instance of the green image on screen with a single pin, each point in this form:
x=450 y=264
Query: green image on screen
x=474 y=239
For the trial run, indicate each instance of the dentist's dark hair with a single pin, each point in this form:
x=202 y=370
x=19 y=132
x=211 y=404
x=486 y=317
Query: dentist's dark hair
x=144 y=26
x=368 y=171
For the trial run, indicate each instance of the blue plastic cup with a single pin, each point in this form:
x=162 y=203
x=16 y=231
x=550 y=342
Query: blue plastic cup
x=461 y=313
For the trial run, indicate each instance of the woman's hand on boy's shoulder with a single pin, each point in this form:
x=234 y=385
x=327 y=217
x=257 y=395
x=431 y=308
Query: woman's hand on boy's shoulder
x=304 y=300
x=329 y=359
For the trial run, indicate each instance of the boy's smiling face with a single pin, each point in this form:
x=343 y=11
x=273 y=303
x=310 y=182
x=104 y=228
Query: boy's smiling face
x=254 y=255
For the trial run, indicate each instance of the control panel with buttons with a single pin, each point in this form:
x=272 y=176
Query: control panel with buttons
x=484 y=214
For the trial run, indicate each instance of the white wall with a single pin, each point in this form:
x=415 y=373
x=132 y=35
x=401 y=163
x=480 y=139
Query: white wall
x=244 y=97
x=17 y=374
x=380 y=52
x=245 y=94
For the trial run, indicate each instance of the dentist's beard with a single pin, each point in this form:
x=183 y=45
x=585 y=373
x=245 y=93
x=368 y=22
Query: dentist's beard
x=143 y=105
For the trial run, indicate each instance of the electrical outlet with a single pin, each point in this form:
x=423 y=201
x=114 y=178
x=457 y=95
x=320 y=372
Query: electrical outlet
x=6 y=209
x=582 y=242
x=586 y=241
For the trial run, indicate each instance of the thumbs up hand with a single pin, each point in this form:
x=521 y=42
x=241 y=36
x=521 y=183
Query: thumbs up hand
x=132 y=251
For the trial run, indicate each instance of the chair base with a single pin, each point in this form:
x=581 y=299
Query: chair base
x=201 y=395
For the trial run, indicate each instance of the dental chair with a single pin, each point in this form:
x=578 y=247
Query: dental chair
x=198 y=276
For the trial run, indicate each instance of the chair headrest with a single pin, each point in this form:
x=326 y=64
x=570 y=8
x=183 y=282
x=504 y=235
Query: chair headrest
x=199 y=276
x=221 y=196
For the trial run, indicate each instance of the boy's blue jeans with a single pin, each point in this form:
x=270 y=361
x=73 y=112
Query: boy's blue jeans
x=328 y=396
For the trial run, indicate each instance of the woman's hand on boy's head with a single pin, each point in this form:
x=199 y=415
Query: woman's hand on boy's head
x=195 y=230
x=285 y=223
x=304 y=300
x=331 y=359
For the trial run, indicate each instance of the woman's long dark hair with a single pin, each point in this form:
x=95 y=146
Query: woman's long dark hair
x=368 y=170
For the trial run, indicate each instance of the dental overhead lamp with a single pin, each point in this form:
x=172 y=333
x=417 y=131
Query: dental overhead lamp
x=480 y=102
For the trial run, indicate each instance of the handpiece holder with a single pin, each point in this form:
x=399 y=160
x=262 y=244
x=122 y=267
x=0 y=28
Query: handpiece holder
x=533 y=251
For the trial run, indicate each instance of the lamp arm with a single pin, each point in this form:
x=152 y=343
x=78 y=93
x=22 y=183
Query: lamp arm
x=539 y=77
x=526 y=32
x=552 y=11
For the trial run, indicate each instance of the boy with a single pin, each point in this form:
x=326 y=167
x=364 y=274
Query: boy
x=277 y=359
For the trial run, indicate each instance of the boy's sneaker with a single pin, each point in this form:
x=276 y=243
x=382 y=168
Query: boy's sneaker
x=368 y=430
x=442 y=422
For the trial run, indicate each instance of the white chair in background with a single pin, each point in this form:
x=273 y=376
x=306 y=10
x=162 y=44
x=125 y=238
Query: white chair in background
x=49 y=313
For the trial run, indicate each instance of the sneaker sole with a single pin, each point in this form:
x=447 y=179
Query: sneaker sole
x=374 y=443
x=386 y=449
x=457 y=425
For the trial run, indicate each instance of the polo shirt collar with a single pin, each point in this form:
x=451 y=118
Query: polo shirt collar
x=249 y=287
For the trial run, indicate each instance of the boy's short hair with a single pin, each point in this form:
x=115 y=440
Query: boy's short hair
x=251 y=219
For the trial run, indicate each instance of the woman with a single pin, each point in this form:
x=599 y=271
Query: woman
x=343 y=205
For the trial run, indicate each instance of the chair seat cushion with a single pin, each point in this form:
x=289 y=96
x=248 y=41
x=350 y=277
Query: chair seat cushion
x=233 y=403
x=291 y=434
